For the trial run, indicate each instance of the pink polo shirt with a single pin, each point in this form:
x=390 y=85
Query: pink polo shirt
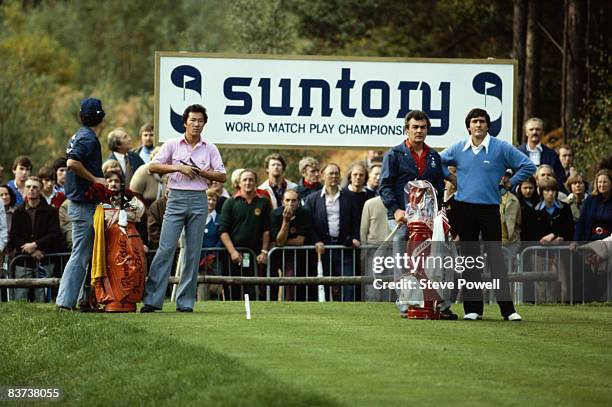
x=204 y=155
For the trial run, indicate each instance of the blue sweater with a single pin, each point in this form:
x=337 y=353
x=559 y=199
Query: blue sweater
x=478 y=176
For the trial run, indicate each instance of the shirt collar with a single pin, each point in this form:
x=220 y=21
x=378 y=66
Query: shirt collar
x=538 y=147
x=542 y=205
x=184 y=141
x=411 y=149
x=324 y=194
x=485 y=143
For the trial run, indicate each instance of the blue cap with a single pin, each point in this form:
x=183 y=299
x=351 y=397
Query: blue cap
x=92 y=107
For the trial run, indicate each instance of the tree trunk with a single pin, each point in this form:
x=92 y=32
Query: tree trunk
x=519 y=29
x=531 y=96
x=574 y=66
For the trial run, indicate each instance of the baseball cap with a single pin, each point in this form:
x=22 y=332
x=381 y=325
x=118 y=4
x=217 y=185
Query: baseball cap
x=92 y=107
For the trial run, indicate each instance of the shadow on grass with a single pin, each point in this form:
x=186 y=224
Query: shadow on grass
x=106 y=361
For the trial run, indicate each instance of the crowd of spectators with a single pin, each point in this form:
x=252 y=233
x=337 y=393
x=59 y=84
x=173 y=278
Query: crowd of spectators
x=322 y=208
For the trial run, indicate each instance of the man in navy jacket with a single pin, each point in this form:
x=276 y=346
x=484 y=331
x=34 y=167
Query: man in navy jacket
x=334 y=222
x=540 y=154
x=411 y=160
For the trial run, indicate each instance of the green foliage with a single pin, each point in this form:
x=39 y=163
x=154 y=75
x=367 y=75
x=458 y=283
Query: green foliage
x=593 y=130
x=262 y=27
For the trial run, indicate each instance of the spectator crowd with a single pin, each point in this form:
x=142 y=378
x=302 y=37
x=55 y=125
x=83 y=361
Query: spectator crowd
x=327 y=206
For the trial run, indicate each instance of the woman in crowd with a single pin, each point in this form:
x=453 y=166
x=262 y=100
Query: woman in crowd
x=528 y=198
x=576 y=185
x=595 y=223
x=9 y=199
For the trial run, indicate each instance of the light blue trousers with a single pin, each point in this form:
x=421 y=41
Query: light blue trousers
x=81 y=215
x=186 y=209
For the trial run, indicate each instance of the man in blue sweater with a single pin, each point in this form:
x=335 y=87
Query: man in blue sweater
x=481 y=163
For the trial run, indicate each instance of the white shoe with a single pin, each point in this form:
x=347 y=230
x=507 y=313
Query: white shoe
x=472 y=316
x=513 y=317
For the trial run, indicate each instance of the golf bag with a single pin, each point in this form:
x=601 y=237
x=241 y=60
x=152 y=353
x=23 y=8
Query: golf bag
x=426 y=238
x=123 y=285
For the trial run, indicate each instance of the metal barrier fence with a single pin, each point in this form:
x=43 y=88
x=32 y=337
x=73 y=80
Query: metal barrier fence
x=572 y=274
x=291 y=274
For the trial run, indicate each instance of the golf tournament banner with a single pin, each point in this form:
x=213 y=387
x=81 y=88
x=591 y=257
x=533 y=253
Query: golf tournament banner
x=288 y=101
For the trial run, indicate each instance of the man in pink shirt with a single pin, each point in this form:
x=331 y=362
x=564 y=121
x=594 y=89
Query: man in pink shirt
x=192 y=163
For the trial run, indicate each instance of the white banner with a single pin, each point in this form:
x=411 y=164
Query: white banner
x=324 y=102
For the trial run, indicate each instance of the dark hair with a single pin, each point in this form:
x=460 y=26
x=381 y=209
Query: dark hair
x=195 y=109
x=474 y=113
x=46 y=172
x=13 y=199
x=275 y=156
x=24 y=161
x=417 y=115
x=90 y=121
x=60 y=162
x=565 y=147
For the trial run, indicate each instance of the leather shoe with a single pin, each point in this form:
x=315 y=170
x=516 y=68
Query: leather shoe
x=472 y=316
x=448 y=315
x=184 y=309
x=148 y=308
x=513 y=317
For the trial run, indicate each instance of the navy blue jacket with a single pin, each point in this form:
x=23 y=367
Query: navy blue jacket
x=595 y=212
x=84 y=147
x=134 y=160
x=550 y=157
x=349 y=226
x=398 y=168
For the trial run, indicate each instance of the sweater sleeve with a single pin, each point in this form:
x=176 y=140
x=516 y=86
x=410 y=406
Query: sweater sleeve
x=520 y=164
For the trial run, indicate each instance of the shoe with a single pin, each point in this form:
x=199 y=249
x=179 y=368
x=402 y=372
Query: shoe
x=61 y=308
x=472 y=316
x=448 y=315
x=184 y=309
x=513 y=317
x=148 y=308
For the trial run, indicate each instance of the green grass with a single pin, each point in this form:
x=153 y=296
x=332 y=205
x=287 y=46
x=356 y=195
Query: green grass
x=309 y=354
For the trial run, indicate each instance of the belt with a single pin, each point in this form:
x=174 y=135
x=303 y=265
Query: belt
x=333 y=239
x=600 y=231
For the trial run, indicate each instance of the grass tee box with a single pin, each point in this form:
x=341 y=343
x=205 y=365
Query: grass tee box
x=309 y=354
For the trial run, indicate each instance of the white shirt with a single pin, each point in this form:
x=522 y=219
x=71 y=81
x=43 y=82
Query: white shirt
x=476 y=149
x=211 y=216
x=332 y=204
x=121 y=160
x=535 y=155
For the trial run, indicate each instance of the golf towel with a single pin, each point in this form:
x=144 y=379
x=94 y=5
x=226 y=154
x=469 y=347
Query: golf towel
x=98 y=257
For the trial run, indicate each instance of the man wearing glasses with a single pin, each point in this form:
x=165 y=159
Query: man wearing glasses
x=34 y=231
